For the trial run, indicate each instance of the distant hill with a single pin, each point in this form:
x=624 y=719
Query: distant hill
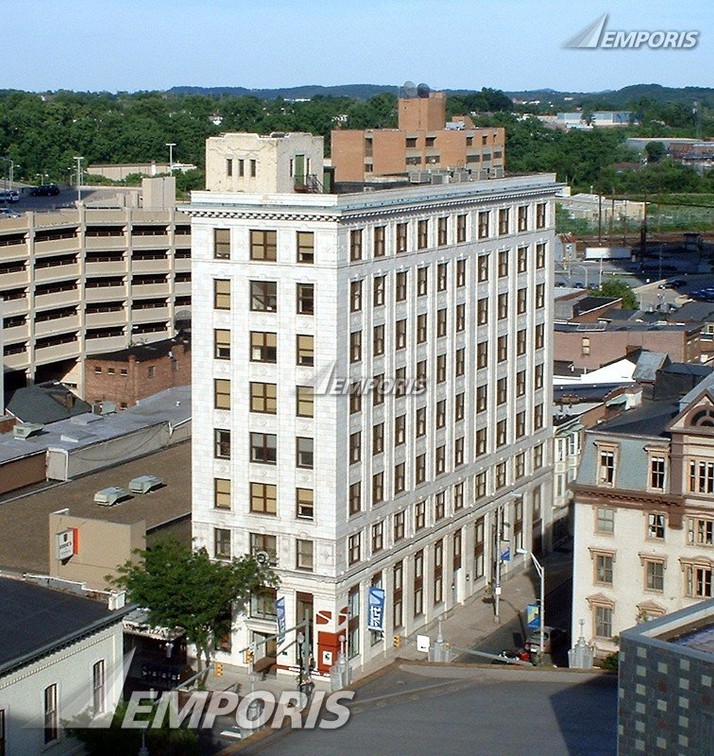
x=305 y=92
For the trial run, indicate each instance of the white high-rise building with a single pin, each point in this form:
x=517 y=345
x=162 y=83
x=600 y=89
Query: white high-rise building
x=304 y=302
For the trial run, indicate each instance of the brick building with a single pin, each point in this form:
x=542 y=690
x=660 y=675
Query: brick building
x=126 y=376
x=423 y=141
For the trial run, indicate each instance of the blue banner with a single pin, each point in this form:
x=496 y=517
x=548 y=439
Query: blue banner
x=375 y=616
x=506 y=553
x=280 y=612
x=533 y=617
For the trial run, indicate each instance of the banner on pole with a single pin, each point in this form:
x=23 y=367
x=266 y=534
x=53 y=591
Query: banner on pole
x=533 y=616
x=280 y=613
x=375 y=616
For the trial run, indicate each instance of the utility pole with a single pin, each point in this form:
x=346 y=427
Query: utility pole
x=79 y=177
x=171 y=146
x=498 y=534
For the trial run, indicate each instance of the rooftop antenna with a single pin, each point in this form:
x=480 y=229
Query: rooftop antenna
x=423 y=90
x=410 y=89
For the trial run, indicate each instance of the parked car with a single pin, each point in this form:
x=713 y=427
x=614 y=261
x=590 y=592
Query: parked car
x=9 y=195
x=553 y=638
x=675 y=283
x=45 y=190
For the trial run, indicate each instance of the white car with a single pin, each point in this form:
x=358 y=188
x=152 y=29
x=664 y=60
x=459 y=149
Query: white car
x=9 y=195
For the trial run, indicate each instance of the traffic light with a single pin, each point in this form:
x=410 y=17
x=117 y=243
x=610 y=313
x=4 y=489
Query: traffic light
x=397 y=641
x=219 y=669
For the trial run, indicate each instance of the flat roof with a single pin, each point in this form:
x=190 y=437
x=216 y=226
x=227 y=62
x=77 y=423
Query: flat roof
x=35 y=621
x=24 y=520
x=142 y=352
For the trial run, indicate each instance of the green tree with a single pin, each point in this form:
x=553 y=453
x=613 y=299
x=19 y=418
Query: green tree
x=620 y=290
x=185 y=588
x=655 y=151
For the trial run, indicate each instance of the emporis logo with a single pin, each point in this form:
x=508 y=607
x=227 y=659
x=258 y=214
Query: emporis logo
x=597 y=36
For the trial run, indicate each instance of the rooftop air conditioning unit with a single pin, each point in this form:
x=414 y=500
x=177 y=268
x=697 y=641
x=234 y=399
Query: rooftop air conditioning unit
x=25 y=430
x=110 y=496
x=145 y=483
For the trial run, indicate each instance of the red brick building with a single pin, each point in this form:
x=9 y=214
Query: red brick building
x=126 y=376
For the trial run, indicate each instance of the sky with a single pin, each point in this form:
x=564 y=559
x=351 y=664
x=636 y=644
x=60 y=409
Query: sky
x=131 y=45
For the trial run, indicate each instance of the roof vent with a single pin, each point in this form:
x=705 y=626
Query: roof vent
x=25 y=430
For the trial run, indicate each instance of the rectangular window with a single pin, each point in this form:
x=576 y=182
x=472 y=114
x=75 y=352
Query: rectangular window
x=400 y=481
x=305 y=351
x=355 y=498
x=482 y=311
x=441 y=368
x=263 y=498
x=503 y=264
x=519 y=465
x=377 y=438
x=523 y=218
x=521 y=301
x=439 y=506
x=400 y=430
x=458 y=452
x=221 y=344
x=482 y=270
x=540 y=255
x=305 y=296
x=481 y=441
x=222 y=444
x=480 y=485
x=355 y=447
x=442 y=231
x=483 y=218
x=51 y=709
x=605 y=520
x=502 y=348
x=538 y=376
x=421 y=370
x=354 y=548
x=401 y=238
x=537 y=417
x=377 y=536
x=460 y=362
x=520 y=428
x=397 y=594
x=440 y=460
x=657 y=470
x=522 y=260
x=304 y=555
x=221 y=294
x=400 y=334
x=481 y=398
x=306 y=247
x=540 y=215
x=479 y=543
x=606 y=467
x=221 y=493
x=264 y=398
x=420 y=422
x=419 y=515
x=603 y=569
x=263 y=448
x=501 y=435
x=266 y=543
x=459 y=406
x=441 y=322
x=521 y=342
x=305 y=401
x=422 y=234
x=502 y=306
x=356 y=244
x=262 y=604
x=655 y=526
x=401 y=287
x=355 y=296
x=221 y=393
x=356 y=346
x=221 y=243
x=702 y=532
x=263 y=296
x=264 y=245
x=378 y=290
x=460 y=229
x=654 y=575
x=460 y=318
x=99 y=693
x=438 y=572
x=399 y=518
x=503 y=221
x=422 y=281
x=701 y=476
x=222 y=543
x=378 y=488
x=603 y=621
x=420 y=469
x=379 y=239
x=521 y=383
x=263 y=347
x=460 y=274
x=378 y=340
x=501 y=475
x=421 y=332
x=355 y=399
x=304 y=452
x=540 y=296
x=253 y=168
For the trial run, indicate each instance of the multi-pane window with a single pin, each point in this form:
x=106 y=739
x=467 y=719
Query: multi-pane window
x=460 y=273
x=458 y=451
x=400 y=480
x=521 y=341
x=221 y=493
x=262 y=604
x=603 y=621
x=263 y=296
x=603 y=569
x=522 y=259
x=538 y=457
x=354 y=548
x=482 y=311
x=379 y=241
x=378 y=290
x=222 y=393
x=355 y=447
x=539 y=336
x=503 y=264
x=657 y=471
x=221 y=344
x=481 y=398
x=420 y=469
x=538 y=376
x=260 y=542
x=523 y=218
x=521 y=383
x=418 y=583
x=304 y=555
x=606 y=467
x=699 y=580
x=305 y=247
x=458 y=496
x=377 y=536
x=421 y=329
x=502 y=348
x=263 y=347
x=440 y=368
x=480 y=485
x=221 y=543
x=460 y=324
x=483 y=224
x=264 y=245
x=422 y=234
x=500 y=475
x=222 y=243
x=604 y=520
x=399 y=521
x=520 y=427
x=460 y=228
x=442 y=231
x=481 y=441
x=438 y=571
x=355 y=296
x=439 y=506
x=479 y=544
x=378 y=340
x=401 y=237
x=356 y=346
x=400 y=430
x=459 y=406
x=654 y=575
x=221 y=294
x=419 y=515
x=655 y=526
x=378 y=438
x=422 y=281
x=222 y=444
x=502 y=306
x=501 y=434
x=421 y=371
x=537 y=417
x=304 y=452
x=400 y=334
x=440 y=414
x=305 y=401
x=99 y=693
x=355 y=399
x=397 y=594
x=519 y=465
x=400 y=290
x=355 y=498
x=305 y=350
x=356 y=244
x=305 y=299
x=440 y=460
x=263 y=498
x=701 y=476
x=420 y=422
x=378 y=488
x=51 y=714
x=503 y=221
x=540 y=215
x=521 y=301
x=442 y=276
x=702 y=532
x=482 y=269
x=460 y=361
x=264 y=398
x=540 y=296
x=263 y=448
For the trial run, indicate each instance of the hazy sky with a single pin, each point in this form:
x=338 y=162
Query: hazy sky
x=128 y=45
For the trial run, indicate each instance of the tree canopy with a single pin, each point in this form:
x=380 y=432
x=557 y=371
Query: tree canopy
x=185 y=588
x=620 y=290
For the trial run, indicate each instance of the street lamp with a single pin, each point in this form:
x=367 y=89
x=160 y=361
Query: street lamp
x=79 y=177
x=171 y=146
x=12 y=170
x=541 y=574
